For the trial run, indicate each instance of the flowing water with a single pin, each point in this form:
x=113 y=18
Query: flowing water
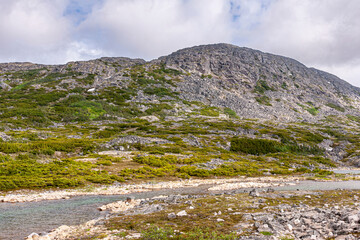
x=18 y=220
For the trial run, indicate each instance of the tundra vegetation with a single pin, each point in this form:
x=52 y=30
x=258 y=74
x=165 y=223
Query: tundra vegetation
x=117 y=120
x=50 y=130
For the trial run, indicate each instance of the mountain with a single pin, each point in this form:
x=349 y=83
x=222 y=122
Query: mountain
x=251 y=83
x=206 y=111
x=261 y=85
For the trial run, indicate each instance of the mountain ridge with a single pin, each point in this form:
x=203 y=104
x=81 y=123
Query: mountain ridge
x=249 y=82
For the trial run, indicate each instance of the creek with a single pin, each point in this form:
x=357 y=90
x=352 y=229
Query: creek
x=18 y=220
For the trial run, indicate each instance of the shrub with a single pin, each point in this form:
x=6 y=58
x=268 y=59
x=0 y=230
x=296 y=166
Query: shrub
x=265 y=100
x=194 y=171
x=336 y=107
x=254 y=146
x=209 y=111
x=230 y=112
x=262 y=86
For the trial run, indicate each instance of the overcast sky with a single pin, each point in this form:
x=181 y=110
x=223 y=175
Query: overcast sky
x=319 y=33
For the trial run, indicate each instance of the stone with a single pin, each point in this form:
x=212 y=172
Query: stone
x=33 y=236
x=353 y=218
x=289 y=227
x=254 y=193
x=171 y=216
x=182 y=213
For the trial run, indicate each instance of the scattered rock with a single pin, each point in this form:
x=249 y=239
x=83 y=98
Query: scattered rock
x=182 y=213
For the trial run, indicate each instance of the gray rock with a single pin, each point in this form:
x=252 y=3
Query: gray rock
x=254 y=193
x=171 y=216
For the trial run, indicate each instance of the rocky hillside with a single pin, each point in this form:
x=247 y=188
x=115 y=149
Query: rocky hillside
x=261 y=85
x=221 y=78
x=215 y=110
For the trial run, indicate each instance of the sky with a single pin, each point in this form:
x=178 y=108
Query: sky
x=319 y=33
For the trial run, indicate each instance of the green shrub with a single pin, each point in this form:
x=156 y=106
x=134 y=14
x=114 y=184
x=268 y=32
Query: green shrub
x=313 y=111
x=209 y=111
x=160 y=92
x=230 y=112
x=194 y=171
x=262 y=86
x=254 y=146
x=265 y=100
x=336 y=107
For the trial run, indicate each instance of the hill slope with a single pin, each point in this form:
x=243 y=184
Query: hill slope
x=206 y=111
x=249 y=82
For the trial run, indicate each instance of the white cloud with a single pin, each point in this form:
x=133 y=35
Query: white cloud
x=316 y=32
x=319 y=33
x=32 y=30
x=150 y=28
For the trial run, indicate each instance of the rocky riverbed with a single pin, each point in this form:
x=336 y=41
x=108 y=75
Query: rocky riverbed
x=263 y=215
x=222 y=184
x=257 y=213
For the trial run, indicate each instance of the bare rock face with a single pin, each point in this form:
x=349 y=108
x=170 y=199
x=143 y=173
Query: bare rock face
x=260 y=85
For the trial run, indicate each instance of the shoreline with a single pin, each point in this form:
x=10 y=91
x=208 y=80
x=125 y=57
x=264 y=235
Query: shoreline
x=228 y=183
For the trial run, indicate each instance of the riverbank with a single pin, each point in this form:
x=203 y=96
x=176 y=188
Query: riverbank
x=263 y=216
x=221 y=184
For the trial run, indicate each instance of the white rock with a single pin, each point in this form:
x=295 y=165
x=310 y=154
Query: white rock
x=297 y=221
x=353 y=218
x=33 y=236
x=150 y=118
x=220 y=220
x=91 y=90
x=182 y=213
x=289 y=227
x=133 y=235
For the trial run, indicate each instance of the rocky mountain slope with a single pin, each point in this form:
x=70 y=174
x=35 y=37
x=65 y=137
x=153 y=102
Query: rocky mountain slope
x=250 y=83
x=260 y=85
x=206 y=111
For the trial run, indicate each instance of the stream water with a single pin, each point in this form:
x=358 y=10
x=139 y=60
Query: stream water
x=18 y=220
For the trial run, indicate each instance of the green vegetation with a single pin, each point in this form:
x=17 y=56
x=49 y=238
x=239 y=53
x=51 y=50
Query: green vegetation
x=230 y=112
x=209 y=111
x=262 y=86
x=156 y=233
x=52 y=124
x=25 y=172
x=336 y=107
x=264 y=146
x=353 y=118
x=313 y=111
x=265 y=100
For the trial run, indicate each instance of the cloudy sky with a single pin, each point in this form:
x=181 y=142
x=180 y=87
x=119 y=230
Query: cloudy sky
x=320 y=33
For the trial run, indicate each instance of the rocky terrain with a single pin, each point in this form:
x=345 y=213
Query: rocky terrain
x=207 y=114
x=262 y=214
x=251 y=83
